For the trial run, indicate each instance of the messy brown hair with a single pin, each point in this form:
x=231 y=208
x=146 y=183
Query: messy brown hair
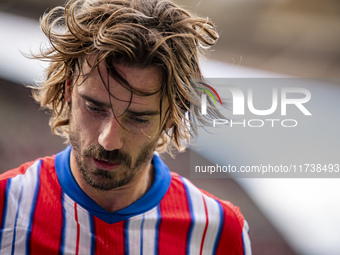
x=141 y=33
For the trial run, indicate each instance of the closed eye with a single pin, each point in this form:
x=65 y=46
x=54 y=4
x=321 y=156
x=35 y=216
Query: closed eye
x=139 y=120
x=94 y=109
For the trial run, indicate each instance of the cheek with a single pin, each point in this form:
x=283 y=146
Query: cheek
x=81 y=123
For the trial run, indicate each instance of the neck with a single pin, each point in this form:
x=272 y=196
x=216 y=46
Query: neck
x=117 y=199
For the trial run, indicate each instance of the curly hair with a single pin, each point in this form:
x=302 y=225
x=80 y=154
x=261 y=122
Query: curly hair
x=141 y=33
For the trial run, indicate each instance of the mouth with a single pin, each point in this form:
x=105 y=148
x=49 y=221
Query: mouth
x=105 y=164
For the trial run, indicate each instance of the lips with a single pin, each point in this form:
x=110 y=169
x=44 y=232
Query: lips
x=105 y=165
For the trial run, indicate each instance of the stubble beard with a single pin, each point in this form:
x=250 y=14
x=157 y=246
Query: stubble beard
x=109 y=180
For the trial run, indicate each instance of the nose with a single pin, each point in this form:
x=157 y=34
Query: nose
x=111 y=137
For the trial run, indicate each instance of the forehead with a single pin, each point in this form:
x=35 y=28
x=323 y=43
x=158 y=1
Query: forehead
x=99 y=82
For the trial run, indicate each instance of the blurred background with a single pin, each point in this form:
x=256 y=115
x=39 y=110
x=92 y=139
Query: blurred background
x=258 y=38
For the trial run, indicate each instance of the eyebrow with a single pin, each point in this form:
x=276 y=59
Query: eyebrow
x=108 y=106
x=94 y=101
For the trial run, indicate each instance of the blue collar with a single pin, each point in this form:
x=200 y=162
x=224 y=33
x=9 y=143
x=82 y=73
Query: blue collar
x=148 y=201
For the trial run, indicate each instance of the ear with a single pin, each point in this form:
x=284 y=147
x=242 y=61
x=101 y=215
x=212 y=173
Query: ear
x=68 y=90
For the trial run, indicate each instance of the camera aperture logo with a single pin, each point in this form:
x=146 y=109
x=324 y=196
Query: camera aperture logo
x=243 y=102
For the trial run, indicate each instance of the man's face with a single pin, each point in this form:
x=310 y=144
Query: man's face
x=113 y=137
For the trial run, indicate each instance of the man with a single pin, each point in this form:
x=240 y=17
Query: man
x=119 y=87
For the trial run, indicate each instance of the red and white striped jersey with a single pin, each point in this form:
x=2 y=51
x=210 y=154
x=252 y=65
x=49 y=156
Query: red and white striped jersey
x=44 y=211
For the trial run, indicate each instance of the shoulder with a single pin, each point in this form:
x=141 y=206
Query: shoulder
x=226 y=219
x=25 y=180
x=195 y=195
x=26 y=170
x=16 y=171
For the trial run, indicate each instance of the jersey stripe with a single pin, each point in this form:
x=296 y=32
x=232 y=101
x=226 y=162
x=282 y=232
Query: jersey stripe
x=206 y=225
x=3 y=203
x=192 y=223
x=142 y=232
x=78 y=228
x=199 y=219
x=231 y=234
x=126 y=237
x=157 y=230
x=141 y=235
x=47 y=217
x=215 y=218
x=207 y=221
x=11 y=208
x=150 y=231
x=93 y=234
x=14 y=242
x=85 y=231
x=220 y=227
x=34 y=203
x=175 y=219
x=4 y=214
x=12 y=195
x=21 y=198
x=78 y=236
x=70 y=237
x=246 y=240
x=134 y=235
x=63 y=228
